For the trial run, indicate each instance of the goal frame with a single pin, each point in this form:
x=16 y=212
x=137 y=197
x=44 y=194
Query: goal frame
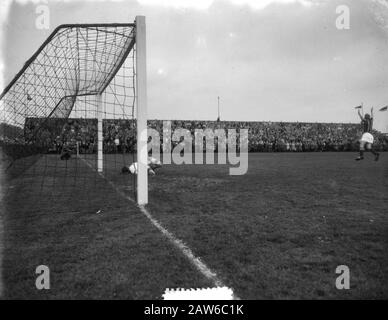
x=140 y=97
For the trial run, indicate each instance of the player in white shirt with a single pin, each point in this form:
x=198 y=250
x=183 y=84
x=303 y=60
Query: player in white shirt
x=152 y=165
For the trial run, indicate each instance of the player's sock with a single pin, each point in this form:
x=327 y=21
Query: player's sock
x=361 y=156
x=376 y=154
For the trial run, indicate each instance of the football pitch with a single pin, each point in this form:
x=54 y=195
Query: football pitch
x=277 y=232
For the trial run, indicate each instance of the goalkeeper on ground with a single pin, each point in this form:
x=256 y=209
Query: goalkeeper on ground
x=152 y=165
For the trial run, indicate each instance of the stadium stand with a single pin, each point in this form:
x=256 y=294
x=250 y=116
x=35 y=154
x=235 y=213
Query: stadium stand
x=263 y=136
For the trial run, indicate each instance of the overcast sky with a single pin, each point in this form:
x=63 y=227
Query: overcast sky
x=268 y=60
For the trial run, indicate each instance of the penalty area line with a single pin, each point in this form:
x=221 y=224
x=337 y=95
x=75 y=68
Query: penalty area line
x=179 y=244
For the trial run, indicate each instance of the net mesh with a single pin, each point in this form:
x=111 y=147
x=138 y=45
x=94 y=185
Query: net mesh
x=49 y=112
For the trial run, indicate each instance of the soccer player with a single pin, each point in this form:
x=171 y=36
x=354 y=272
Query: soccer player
x=152 y=165
x=366 y=142
x=66 y=153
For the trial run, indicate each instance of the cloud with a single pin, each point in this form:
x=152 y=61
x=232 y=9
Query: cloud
x=178 y=4
x=4 y=9
x=273 y=60
x=205 y=4
x=254 y=4
x=379 y=11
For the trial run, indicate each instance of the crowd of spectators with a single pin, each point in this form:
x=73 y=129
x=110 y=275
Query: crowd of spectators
x=286 y=136
x=120 y=135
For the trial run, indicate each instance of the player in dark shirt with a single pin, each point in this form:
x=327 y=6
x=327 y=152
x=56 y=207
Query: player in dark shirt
x=65 y=155
x=366 y=122
x=366 y=142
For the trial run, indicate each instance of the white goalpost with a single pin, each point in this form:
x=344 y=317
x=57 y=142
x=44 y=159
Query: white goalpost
x=100 y=139
x=142 y=135
x=141 y=115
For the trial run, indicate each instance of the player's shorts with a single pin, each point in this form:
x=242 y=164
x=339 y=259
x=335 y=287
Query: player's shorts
x=133 y=168
x=152 y=165
x=366 y=141
x=367 y=138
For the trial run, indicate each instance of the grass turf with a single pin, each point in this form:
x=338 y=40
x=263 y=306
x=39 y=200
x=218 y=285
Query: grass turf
x=279 y=231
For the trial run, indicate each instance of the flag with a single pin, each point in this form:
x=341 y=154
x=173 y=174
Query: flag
x=384 y=108
x=358 y=107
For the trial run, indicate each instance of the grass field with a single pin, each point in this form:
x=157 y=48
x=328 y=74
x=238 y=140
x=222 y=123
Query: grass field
x=279 y=231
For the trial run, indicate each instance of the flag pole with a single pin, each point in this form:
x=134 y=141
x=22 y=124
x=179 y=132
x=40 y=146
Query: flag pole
x=218 y=100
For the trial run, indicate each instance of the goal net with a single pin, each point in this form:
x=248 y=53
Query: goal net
x=70 y=117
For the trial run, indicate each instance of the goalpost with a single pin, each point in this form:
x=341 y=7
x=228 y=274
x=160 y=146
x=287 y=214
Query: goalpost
x=84 y=89
x=142 y=179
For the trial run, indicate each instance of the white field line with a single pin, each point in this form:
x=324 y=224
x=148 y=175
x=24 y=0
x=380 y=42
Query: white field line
x=3 y=187
x=179 y=244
